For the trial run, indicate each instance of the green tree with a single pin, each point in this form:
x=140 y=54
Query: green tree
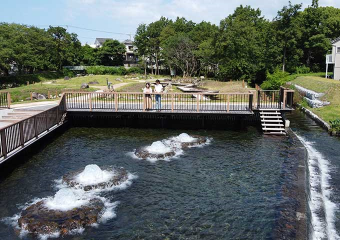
x=66 y=48
x=241 y=44
x=289 y=33
x=179 y=52
x=112 y=53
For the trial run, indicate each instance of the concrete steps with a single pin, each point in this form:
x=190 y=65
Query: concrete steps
x=272 y=123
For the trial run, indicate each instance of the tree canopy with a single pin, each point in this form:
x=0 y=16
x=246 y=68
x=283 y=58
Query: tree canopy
x=244 y=45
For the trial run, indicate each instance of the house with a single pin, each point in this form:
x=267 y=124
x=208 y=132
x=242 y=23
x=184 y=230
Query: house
x=100 y=41
x=131 y=58
x=334 y=58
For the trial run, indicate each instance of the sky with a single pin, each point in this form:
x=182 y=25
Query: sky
x=124 y=16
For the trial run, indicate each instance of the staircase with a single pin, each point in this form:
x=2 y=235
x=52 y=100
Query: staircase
x=272 y=122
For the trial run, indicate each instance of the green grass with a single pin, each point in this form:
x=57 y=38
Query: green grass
x=101 y=79
x=22 y=79
x=20 y=94
x=330 y=87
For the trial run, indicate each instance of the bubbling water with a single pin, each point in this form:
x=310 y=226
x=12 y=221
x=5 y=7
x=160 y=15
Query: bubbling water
x=184 y=137
x=158 y=148
x=92 y=174
x=65 y=199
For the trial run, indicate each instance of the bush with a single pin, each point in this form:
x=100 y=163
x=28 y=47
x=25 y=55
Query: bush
x=135 y=70
x=68 y=73
x=335 y=125
x=18 y=80
x=275 y=80
x=302 y=70
x=106 y=70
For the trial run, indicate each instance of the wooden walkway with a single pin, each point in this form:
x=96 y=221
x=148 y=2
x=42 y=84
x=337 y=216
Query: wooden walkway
x=26 y=127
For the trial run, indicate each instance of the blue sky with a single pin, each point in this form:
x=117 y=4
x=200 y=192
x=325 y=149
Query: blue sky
x=123 y=16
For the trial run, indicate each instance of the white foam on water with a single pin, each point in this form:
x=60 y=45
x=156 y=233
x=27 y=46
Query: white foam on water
x=158 y=148
x=184 y=138
x=66 y=199
x=172 y=144
x=92 y=175
x=47 y=236
x=109 y=211
x=320 y=192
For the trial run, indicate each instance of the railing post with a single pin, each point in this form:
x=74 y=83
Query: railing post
x=284 y=99
x=8 y=100
x=172 y=102
x=228 y=102
x=90 y=101
x=198 y=102
x=144 y=102
x=258 y=99
x=46 y=117
x=35 y=127
x=21 y=131
x=116 y=101
x=3 y=143
x=251 y=101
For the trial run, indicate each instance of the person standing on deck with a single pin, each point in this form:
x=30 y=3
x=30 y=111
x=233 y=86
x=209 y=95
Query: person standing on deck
x=147 y=96
x=158 y=89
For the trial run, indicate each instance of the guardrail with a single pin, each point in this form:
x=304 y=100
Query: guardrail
x=18 y=135
x=5 y=100
x=171 y=102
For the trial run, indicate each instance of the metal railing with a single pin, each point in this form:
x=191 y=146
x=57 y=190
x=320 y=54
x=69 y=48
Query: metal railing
x=275 y=99
x=17 y=135
x=170 y=102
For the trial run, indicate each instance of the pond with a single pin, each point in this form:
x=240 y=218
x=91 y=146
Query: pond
x=228 y=189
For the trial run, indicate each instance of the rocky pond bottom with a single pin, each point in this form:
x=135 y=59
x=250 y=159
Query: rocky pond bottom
x=230 y=188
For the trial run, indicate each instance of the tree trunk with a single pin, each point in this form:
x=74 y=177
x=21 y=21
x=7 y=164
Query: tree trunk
x=284 y=59
x=157 y=70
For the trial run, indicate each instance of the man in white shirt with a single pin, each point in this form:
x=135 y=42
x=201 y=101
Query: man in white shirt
x=158 y=89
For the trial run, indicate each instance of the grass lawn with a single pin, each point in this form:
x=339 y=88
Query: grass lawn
x=20 y=94
x=222 y=87
x=330 y=87
x=234 y=86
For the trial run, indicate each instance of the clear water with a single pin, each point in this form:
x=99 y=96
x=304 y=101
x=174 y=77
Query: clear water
x=324 y=177
x=229 y=189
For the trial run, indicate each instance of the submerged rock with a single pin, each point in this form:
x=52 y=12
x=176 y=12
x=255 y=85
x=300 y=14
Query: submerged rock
x=120 y=175
x=199 y=140
x=143 y=153
x=39 y=219
x=170 y=147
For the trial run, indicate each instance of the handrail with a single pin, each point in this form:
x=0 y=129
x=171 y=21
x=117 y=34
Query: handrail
x=5 y=100
x=16 y=135
x=179 y=102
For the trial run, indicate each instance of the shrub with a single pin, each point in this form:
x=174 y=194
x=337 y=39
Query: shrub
x=68 y=73
x=106 y=70
x=275 y=80
x=335 y=125
x=136 y=70
x=302 y=70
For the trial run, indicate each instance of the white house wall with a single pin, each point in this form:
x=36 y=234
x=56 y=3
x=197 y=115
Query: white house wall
x=337 y=61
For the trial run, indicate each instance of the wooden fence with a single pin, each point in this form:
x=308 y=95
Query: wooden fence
x=170 y=102
x=5 y=100
x=19 y=134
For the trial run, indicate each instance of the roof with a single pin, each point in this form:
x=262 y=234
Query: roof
x=102 y=40
x=335 y=40
x=127 y=41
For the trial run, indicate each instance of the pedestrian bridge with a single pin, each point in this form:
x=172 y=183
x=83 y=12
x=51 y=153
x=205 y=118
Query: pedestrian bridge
x=96 y=108
x=177 y=103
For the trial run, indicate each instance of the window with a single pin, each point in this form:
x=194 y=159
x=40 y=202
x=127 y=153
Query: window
x=131 y=48
x=338 y=50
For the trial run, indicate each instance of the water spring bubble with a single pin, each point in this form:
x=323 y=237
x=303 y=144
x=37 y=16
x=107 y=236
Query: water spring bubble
x=65 y=199
x=92 y=174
